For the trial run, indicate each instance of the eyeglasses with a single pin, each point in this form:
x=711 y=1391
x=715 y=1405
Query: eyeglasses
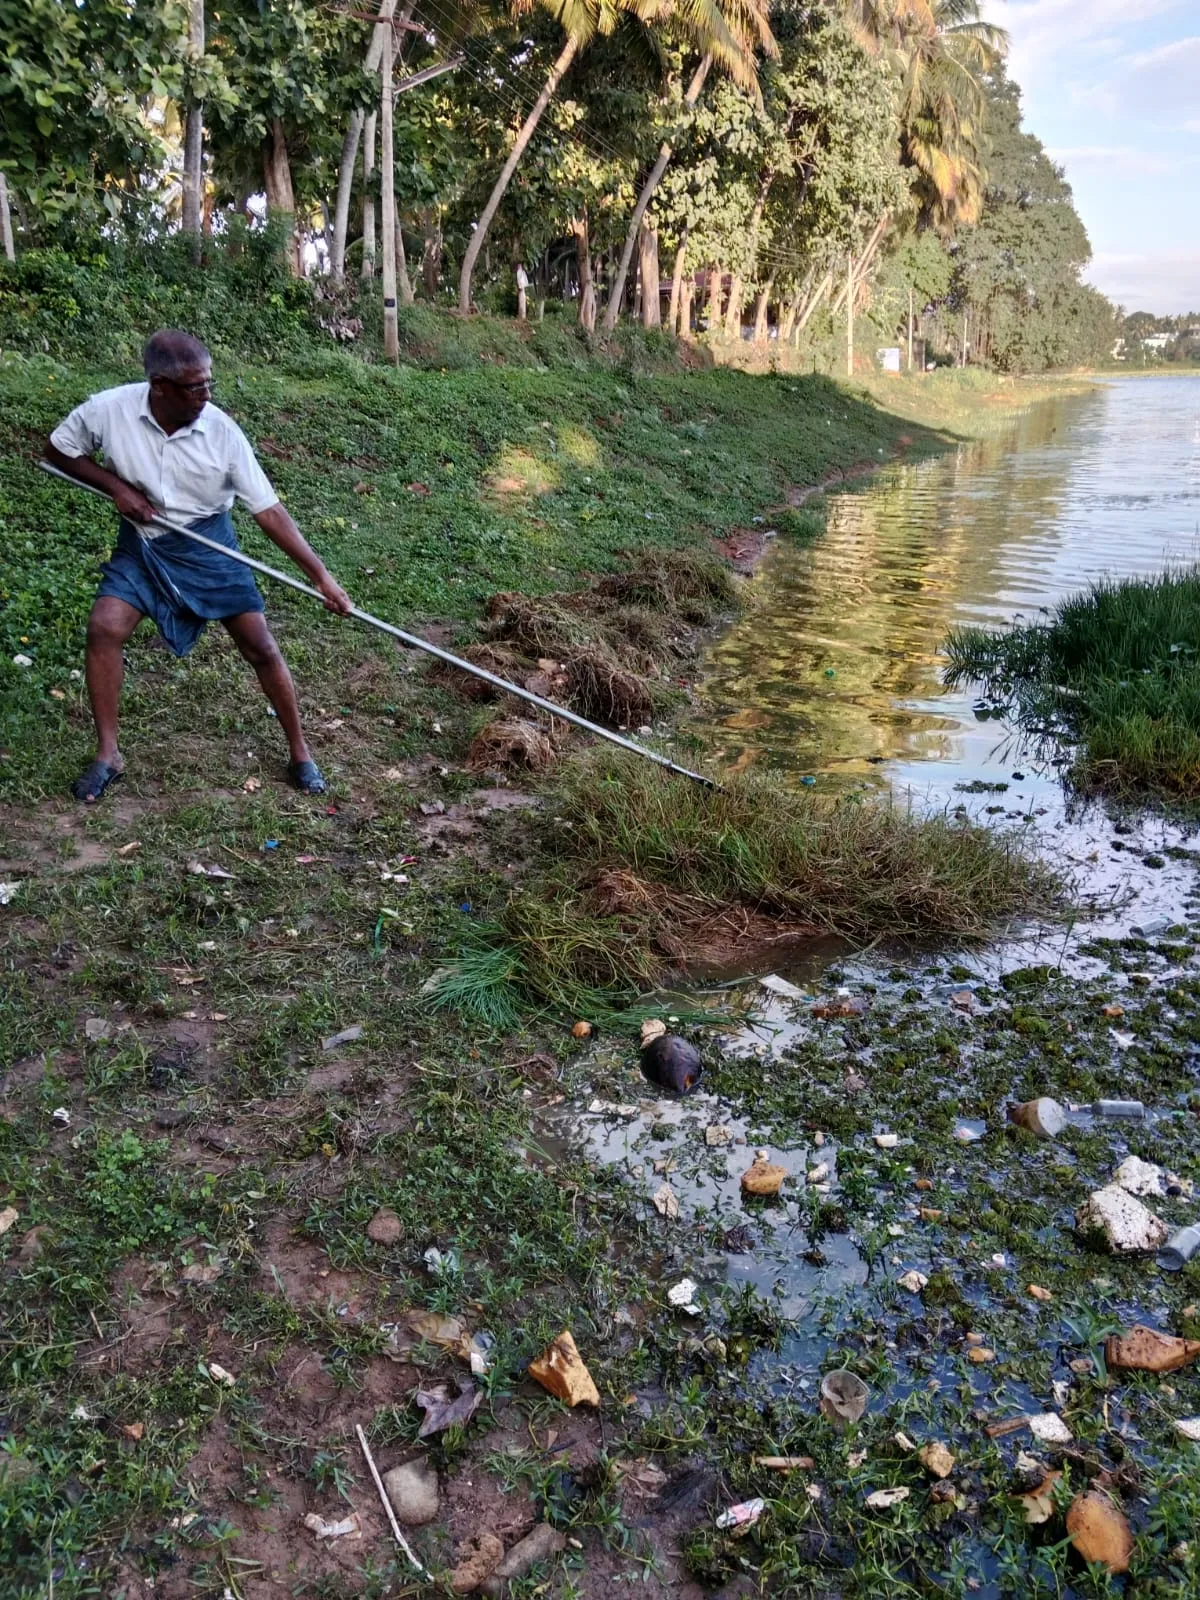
x=193 y=390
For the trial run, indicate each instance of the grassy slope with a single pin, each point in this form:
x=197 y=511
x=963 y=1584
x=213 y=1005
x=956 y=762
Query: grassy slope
x=209 y=1127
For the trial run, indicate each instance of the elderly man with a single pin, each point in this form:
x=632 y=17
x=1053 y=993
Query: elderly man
x=169 y=450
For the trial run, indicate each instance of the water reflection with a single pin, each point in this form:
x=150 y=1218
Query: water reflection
x=836 y=668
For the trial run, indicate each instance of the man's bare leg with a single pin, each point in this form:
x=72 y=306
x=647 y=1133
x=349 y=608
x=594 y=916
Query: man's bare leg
x=254 y=639
x=110 y=627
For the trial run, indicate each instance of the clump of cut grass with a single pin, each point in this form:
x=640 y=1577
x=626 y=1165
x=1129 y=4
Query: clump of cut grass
x=1117 y=669
x=511 y=744
x=605 y=691
x=693 y=584
x=656 y=876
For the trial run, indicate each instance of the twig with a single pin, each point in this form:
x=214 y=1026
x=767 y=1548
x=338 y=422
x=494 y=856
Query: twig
x=387 y=1504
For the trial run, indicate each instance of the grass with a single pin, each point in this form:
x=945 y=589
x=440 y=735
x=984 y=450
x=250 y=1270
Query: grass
x=1118 y=669
x=210 y=1128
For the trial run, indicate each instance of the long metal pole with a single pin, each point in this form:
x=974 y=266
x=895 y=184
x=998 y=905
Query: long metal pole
x=412 y=640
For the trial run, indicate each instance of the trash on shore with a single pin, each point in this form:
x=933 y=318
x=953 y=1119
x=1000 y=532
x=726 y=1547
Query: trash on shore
x=199 y=870
x=8 y=1216
x=219 y=1374
x=1049 y=1428
x=666 y=1202
x=443 y=1410
x=717 y=1134
x=1152 y=928
x=1144 y=1349
x=1180 y=1248
x=886 y=1141
x=1037 y=1504
x=348 y=1527
x=784 y=1463
x=882 y=1499
x=1119 y=1223
x=763 y=1177
x=346 y=1036
x=843 y=1397
x=1038 y=1293
x=671 y=1063
x=581 y=1030
x=1189 y=1427
x=60 y=1117
x=1043 y=1117
x=8 y=893
x=561 y=1371
x=739 y=1519
x=1100 y=1531
x=1120 y=1110
x=936 y=1459
x=780 y=986
x=683 y=1297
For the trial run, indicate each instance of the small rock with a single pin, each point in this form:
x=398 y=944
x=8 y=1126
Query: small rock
x=582 y=1030
x=1050 y=1428
x=413 y=1491
x=763 y=1177
x=682 y=1296
x=913 y=1281
x=666 y=1202
x=717 y=1134
x=887 y=1141
x=1122 y=1224
x=1100 y=1532
x=541 y=1544
x=97 y=1028
x=561 y=1370
x=936 y=1459
x=478 y=1560
x=1038 y=1293
x=653 y=1028
x=980 y=1355
x=1140 y=1177
x=385 y=1227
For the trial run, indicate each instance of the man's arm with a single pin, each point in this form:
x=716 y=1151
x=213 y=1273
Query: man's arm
x=278 y=526
x=130 y=502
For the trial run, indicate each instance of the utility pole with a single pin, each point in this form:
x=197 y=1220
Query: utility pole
x=387 y=156
x=850 y=315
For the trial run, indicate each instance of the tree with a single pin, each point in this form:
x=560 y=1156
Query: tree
x=193 y=142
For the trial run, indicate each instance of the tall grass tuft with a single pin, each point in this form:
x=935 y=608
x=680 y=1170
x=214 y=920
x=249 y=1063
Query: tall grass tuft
x=647 y=867
x=1117 y=669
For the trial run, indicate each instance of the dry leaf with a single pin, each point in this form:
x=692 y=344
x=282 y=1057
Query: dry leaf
x=7 y=1217
x=1039 y=1293
x=1038 y=1504
x=442 y=1409
x=198 y=1273
x=134 y=1431
x=448 y=1333
x=128 y=849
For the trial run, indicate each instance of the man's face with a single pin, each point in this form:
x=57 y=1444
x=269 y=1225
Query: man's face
x=180 y=400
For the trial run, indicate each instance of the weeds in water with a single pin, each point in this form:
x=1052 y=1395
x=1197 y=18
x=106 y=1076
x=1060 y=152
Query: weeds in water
x=1117 y=669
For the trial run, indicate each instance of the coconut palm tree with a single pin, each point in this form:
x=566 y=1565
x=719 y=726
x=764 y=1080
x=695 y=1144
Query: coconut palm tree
x=940 y=50
x=714 y=25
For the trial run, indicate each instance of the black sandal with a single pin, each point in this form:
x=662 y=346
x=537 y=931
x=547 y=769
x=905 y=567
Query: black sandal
x=307 y=776
x=91 y=785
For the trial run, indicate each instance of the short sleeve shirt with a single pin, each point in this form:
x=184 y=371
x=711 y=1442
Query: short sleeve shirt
x=195 y=472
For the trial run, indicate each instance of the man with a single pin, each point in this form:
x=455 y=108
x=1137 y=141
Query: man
x=169 y=450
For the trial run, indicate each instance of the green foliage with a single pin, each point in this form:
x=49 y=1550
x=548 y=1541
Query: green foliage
x=1119 y=668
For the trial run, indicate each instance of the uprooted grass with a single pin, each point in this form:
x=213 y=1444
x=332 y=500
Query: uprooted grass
x=1117 y=669
x=652 y=875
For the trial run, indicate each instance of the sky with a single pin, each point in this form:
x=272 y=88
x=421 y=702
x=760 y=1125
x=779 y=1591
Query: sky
x=1112 y=89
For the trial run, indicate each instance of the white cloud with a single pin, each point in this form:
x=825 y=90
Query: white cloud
x=1165 y=281
x=1124 y=159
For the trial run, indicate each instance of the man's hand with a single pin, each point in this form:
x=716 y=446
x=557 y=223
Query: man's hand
x=132 y=503
x=334 y=596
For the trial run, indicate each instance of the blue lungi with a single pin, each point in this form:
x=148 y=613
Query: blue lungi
x=180 y=584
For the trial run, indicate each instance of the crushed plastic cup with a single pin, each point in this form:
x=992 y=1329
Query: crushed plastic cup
x=843 y=1397
x=1180 y=1248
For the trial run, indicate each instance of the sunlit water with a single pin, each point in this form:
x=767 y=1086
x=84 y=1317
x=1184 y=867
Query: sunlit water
x=835 y=671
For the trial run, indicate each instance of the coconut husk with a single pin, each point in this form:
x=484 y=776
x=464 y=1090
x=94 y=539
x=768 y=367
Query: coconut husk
x=512 y=743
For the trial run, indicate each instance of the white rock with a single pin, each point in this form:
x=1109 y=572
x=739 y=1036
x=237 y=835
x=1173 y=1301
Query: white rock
x=20 y=660
x=1050 y=1428
x=1139 y=1177
x=1125 y=1225
x=913 y=1281
x=1189 y=1427
x=413 y=1491
x=683 y=1295
x=8 y=893
x=887 y=1141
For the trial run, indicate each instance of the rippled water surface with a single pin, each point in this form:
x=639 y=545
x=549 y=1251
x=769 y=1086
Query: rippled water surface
x=835 y=671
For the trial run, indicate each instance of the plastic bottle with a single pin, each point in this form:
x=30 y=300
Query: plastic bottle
x=1180 y=1248
x=1128 y=1110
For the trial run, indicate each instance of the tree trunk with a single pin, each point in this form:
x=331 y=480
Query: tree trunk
x=910 y=326
x=281 y=197
x=817 y=296
x=6 y=233
x=368 y=260
x=733 y=309
x=341 y=209
x=716 y=295
x=391 y=332
x=403 y=281
x=849 y=316
x=677 y=280
x=864 y=261
x=565 y=57
x=687 y=295
x=431 y=255
x=760 y=311
x=651 y=297
x=788 y=320
x=193 y=139
x=617 y=293
x=587 y=283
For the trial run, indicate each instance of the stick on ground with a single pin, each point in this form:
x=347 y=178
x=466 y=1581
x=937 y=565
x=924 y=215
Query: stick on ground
x=387 y=1504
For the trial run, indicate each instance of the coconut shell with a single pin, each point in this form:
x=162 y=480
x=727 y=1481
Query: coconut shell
x=1144 y=1349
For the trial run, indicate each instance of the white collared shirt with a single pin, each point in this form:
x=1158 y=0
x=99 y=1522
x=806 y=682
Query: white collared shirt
x=192 y=473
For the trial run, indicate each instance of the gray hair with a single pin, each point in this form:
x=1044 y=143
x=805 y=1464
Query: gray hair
x=170 y=351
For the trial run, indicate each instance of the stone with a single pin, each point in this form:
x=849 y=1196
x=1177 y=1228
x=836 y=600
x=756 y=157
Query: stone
x=413 y=1491
x=561 y=1371
x=763 y=1177
x=1140 y=1177
x=913 y=1281
x=980 y=1355
x=478 y=1559
x=1120 y=1223
x=385 y=1227
x=887 y=1141
x=541 y=1544
x=1189 y=1427
x=936 y=1459
x=1144 y=1349
x=1043 y=1117
x=1100 y=1531
x=1050 y=1428
x=582 y=1030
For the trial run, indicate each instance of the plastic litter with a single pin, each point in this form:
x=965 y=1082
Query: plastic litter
x=683 y=1297
x=350 y=1526
x=8 y=893
x=347 y=1036
x=1151 y=928
x=1180 y=1248
x=843 y=1397
x=1120 y=1110
x=741 y=1518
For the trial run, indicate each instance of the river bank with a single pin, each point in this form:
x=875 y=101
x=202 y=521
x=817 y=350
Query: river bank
x=269 y=1128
